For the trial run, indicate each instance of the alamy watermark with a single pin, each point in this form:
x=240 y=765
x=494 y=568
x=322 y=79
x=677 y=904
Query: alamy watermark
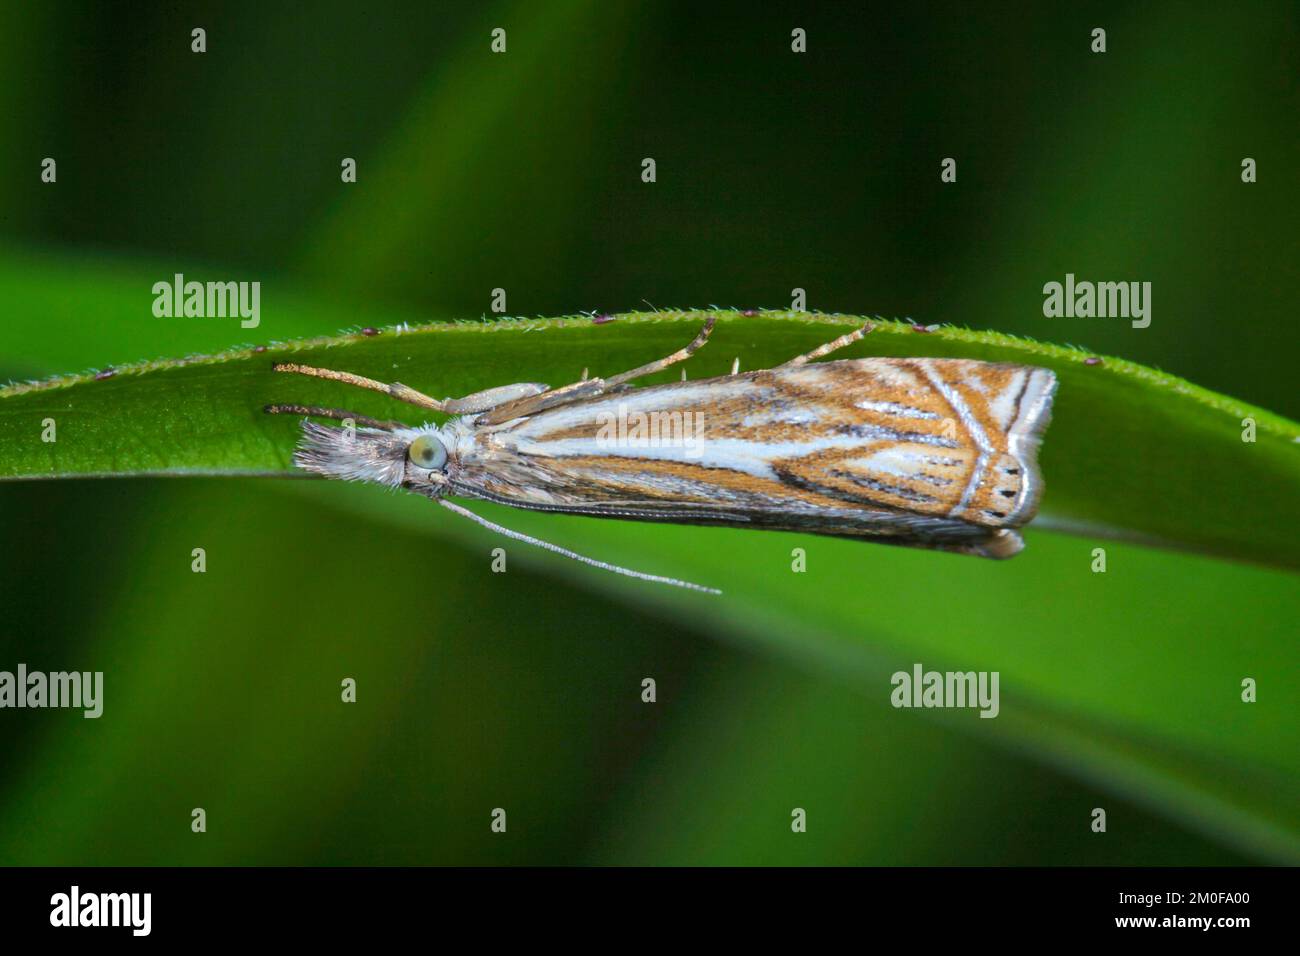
x=1103 y=300
x=654 y=429
x=36 y=689
x=129 y=910
x=922 y=688
x=212 y=300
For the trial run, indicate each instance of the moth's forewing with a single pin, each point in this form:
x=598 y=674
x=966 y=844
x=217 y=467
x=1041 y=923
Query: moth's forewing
x=948 y=438
x=935 y=453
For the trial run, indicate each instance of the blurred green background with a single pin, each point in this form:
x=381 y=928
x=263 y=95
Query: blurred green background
x=522 y=171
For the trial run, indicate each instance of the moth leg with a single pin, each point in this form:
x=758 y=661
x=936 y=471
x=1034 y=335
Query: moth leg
x=594 y=386
x=532 y=404
x=397 y=390
x=829 y=347
x=490 y=398
x=681 y=355
x=338 y=414
x=474 y=402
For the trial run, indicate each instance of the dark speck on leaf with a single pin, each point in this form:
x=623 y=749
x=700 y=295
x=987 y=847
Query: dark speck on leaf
x=601 y=319
x=925 y=329
x=259 y=348
x=106 y=373
x=369 y=331
x=1092 y=360
x=749 y=313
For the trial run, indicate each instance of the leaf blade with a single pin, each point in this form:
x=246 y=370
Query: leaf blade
x=1132 y=452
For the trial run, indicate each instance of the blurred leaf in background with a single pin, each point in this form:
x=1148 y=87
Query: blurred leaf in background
x=521 y=171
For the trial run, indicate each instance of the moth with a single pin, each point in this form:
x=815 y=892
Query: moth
x=922 y=452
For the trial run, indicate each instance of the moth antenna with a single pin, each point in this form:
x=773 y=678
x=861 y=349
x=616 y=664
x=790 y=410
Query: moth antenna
x=527 y=539
x=338 y=414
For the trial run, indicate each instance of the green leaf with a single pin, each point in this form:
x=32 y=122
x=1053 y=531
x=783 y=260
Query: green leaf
x=1131 y=453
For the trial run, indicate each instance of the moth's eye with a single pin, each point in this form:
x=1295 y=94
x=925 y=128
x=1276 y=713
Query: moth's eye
x=427 y=452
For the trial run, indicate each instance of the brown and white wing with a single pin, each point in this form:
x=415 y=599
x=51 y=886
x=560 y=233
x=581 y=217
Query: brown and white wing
x=928 y=452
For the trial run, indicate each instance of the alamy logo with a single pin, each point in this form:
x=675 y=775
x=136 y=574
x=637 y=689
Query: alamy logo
x=1102 y=300
x=103 y=909
x=922 y=688
x=212 y=300
x=625 y=429
x=36 y=689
